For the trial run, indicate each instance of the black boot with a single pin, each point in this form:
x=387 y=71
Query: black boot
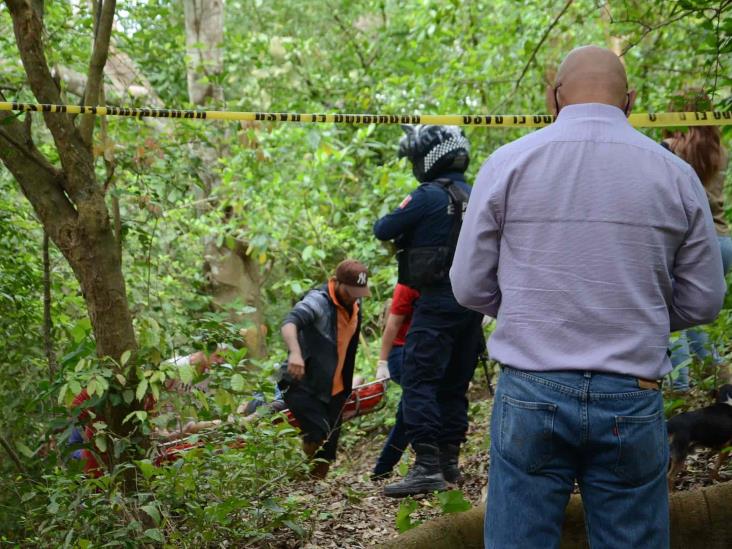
x=424 y=477
x=449 y=454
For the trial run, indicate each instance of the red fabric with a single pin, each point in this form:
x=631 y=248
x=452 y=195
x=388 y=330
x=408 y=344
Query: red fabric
x=91 y=465
x=403 y=304
x=363 y=399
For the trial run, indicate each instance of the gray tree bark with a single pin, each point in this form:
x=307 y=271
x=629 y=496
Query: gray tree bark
x=233 y=274
x=204 y=36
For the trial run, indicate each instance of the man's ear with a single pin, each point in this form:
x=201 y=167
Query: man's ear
x=551 y=103
x=632 y=95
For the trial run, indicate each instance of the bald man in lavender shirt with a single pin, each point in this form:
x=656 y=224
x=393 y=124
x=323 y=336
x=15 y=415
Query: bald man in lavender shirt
x=589 y=243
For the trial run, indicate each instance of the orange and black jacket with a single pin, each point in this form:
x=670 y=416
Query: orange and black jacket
x=316 y=318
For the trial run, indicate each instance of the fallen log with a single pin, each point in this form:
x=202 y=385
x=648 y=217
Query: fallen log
x=700 y=519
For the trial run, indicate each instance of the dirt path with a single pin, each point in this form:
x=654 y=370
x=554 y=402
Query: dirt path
x=349 y=509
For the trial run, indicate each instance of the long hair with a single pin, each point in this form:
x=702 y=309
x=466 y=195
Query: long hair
x=700 y=146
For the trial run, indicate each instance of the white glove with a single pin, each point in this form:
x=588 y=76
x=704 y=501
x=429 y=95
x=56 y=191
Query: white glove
x=382 y=370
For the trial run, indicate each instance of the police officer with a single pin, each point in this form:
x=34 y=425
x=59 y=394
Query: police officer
x=443 y=343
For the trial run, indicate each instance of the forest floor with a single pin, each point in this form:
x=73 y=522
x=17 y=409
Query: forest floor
x=349 y=509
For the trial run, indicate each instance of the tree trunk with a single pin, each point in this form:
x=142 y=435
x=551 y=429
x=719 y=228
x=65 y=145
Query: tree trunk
x=204 y=36
x=234 y=276
x=700 y=519
x=47 y=320
x=69 y=201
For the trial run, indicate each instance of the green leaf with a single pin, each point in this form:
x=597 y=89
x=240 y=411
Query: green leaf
x=295 y=527
x=141 y=415
x=155 y=534
x=23 y=449
x=128 y=395
x=237 y=382
x=27 y=497
x=101 y=442
x=403 y=518
x=453 y=501
x=185 y=372
x=75 y=387
x=125 y=357
x=141 y=390
x=146 y=468
x=307 y=253
x=152 y=510
x=62 y=393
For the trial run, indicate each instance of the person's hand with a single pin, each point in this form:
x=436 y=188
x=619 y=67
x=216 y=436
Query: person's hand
x=382 y=370
x=296 y=366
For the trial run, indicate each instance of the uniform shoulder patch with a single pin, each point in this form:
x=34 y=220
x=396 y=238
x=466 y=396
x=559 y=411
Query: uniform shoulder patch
x=406 y=201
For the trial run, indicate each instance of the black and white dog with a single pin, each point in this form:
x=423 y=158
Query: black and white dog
x=709 y=427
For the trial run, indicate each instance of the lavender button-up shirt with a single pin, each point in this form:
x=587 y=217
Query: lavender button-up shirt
x=588 y=242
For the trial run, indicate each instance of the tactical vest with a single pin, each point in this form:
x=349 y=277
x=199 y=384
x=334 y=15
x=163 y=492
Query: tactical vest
x=425 y=266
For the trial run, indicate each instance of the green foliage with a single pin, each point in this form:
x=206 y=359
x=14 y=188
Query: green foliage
x=453 y=501
x=449 y=501
x=229 y=488
x=301 y=198
x=235 y=493
x=404 y=520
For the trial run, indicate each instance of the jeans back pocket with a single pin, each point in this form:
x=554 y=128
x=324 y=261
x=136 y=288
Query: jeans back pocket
x=641 y=440
x=526 y=433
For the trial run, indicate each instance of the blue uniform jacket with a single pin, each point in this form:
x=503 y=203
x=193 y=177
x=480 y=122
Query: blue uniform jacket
x=422 y=219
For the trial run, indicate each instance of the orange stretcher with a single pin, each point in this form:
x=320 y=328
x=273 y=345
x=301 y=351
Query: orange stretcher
x=364 y=399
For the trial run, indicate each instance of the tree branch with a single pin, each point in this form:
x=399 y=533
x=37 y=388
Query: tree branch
x=28 y=29
x=348 y=33
x=11 y=453
x=102 y=35
x=648 y=29
x=25 y=152
x=532 y=57
x=40 y=181
x=47 y=320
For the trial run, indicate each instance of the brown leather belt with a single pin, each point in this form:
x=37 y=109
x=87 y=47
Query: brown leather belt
x=649 y=384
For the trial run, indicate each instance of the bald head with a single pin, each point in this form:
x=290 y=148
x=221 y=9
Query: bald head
x=591 y=75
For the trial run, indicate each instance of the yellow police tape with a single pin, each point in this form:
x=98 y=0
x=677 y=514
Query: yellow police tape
x=640 y=120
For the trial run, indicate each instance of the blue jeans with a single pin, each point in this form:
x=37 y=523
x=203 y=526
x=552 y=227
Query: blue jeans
x=695 y=341
x=397 y=441
x=549 y=429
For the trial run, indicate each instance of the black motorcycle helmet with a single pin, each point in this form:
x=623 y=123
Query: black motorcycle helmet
x=434 y=150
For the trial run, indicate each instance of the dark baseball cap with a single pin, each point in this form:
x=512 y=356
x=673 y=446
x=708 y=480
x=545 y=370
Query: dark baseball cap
x=354 y=276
